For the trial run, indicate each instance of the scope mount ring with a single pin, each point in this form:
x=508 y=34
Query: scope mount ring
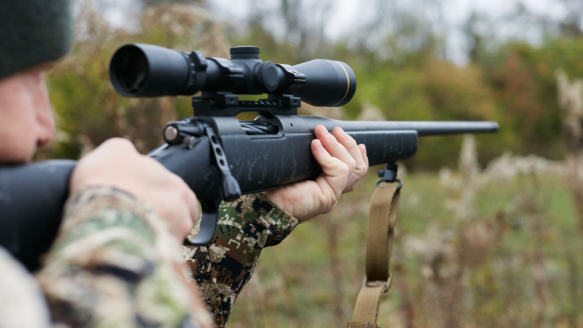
x=225 y=104
x=197 y=75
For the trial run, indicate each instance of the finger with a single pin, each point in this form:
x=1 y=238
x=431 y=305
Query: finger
x=333 y=181
x=187 y=202
x=182 y=209
x=354 y=151
x=334 y=148
x=362 y=148
x=193 y=207
x=118 y=145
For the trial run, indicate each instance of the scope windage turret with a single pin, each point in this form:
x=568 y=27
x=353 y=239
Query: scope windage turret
x=143 y=70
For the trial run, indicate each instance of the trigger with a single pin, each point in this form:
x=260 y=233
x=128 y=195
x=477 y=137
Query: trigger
x=208 y=223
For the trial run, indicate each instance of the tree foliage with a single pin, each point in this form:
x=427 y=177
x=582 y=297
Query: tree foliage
x=399 y=65
x=89 y=111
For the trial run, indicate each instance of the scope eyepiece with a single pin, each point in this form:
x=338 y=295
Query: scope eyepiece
x=143 y=70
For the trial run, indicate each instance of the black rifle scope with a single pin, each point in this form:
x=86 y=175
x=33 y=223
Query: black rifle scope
x=143 y=70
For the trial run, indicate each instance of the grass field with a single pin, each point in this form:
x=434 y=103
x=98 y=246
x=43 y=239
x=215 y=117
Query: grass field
x=515 y=261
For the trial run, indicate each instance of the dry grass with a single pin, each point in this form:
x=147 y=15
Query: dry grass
x=470 y=251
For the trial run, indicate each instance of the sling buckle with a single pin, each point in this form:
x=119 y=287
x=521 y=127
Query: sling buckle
x=377 y=283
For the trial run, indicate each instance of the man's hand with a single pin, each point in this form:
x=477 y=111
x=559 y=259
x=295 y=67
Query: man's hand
x=116 y=163
x=343 y=162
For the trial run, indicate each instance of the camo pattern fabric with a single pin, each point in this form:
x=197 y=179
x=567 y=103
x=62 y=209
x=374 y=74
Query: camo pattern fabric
x=115 y=263
x=245 y=227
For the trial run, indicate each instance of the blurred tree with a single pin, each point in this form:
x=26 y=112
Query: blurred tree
x=475 y=29
x=304 y=25
x=570 y=25
x=523 y=85
x=88 y=109
x=157 y=3
x=397 y=56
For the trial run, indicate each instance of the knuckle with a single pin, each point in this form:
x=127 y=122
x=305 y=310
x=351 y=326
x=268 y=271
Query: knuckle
x=185 y=227
x=347 y=166
x=188 y=223
x=183 y=189
x=364 y=169
x=165 y=212
x=174 y=185
x=184 y=194
x=344 y=169
x=175 y=180
x=352 y=164
x=120 y=142
x=331 y=207
x=189 y=197
x=119 y=145
x=360 y=171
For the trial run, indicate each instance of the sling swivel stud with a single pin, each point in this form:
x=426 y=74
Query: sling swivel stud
x=389 y=174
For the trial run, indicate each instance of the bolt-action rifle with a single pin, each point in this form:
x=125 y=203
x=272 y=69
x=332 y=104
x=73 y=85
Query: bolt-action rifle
x=218 y=156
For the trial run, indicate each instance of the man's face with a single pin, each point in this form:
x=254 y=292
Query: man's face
x=26 y=119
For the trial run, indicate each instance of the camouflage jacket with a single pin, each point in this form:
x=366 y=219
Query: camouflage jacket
x=116 y=264
x=245 y=227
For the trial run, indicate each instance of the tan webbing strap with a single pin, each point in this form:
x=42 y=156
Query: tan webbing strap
x=381 y=224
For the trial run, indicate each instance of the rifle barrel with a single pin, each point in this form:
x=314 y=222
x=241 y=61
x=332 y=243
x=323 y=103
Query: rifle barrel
x=423 y=128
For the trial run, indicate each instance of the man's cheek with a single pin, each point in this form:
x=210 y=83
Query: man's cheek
x=18 y=126
x=45 y=122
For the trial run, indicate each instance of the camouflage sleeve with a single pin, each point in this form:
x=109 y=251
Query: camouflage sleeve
x=116 y=264
x=245 y=227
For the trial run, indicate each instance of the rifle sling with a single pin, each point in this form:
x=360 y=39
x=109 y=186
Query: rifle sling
x=382 y=216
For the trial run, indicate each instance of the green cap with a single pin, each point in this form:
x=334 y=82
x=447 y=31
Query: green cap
x=33 y=32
